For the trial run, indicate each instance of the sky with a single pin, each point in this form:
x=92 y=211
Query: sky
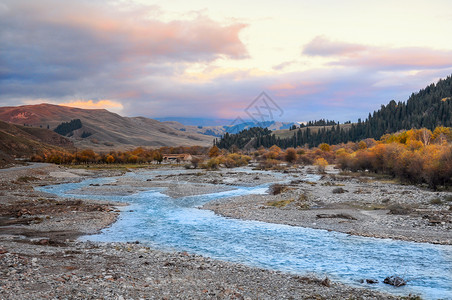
x=328 y=59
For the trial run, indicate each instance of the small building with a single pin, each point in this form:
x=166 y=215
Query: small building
x=177 y=158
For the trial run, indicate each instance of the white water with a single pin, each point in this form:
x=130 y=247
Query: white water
x=176 y=224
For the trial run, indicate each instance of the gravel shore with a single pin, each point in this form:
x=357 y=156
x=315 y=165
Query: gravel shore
x=40 y=257
x=355 y=205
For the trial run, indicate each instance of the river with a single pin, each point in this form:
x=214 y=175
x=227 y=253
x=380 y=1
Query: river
x=176 y=224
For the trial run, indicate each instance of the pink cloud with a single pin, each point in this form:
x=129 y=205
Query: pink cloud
x=128 y=31
x=296 y=88
x=402 y=58
x=349 y=54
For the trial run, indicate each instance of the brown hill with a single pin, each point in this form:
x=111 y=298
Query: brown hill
x=108 y=130
x=19 y=141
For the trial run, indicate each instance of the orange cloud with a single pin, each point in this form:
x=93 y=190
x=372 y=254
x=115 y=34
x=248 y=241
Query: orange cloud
x=90 y=104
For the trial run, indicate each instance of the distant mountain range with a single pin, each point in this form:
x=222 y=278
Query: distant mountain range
x=197 y=121
x=218 y=131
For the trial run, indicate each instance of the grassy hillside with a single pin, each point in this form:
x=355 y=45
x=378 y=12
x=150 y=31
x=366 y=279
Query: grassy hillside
x=18 y=141
x=286 y=133
x=107 y=130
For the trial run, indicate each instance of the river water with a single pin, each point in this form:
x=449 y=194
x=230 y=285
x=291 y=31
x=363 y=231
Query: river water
x=172 y=224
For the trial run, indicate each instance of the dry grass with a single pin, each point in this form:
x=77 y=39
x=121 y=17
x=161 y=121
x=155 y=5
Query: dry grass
x=280 y=203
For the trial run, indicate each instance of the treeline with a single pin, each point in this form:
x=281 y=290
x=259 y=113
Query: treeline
x=418 y=156
x=138 y=155
x=67 y=127
x=429 y=108
x=321 y=122
x=414 y=156
x=243 y=138
x=262 y=137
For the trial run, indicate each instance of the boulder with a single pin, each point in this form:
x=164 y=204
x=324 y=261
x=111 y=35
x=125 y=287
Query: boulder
x=395 y=281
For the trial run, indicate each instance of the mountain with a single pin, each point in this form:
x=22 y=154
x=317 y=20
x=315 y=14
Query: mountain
x=205 y=122
x=429 y=108
x=218 y=131
x=20 y=141
x=215 y=131
x=270 y=125
x=102 y=130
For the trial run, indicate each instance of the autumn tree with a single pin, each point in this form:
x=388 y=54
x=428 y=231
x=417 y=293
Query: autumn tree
x=325 y=147
x=291 y=155
x=321 y=164
x=214 y=151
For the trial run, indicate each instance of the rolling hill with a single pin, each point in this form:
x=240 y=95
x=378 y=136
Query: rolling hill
x=103 y=130
x=19 y=141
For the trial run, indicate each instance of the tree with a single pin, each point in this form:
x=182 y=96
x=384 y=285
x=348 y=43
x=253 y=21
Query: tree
x=442 y=135
x=291 y=155
x=321 y=163
x=110 y=159
x=325 y=147
x=425 y=136
x=214 y=151
x=362 y=145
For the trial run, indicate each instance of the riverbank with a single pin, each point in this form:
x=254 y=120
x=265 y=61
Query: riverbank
x=41 y=258
x=357 y=205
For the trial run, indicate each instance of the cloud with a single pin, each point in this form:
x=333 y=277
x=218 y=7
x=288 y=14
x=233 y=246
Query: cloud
x=382 y=58
x=53 y=49
x=322 y=46
x=401 y=58
x=90 y=104
x=139 y=62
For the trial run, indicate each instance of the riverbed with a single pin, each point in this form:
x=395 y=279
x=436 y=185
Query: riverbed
x=177 y=224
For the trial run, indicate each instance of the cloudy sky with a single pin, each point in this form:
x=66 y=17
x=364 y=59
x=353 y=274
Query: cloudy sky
x=211 y=59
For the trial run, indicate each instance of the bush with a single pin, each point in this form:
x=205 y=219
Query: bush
x=195 y=162
x=291 y=155
x=213 y=164
x=321 y=163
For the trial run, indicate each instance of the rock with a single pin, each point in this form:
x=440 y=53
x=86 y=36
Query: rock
x=326 y=282
x=371 y=281
x=395 y=281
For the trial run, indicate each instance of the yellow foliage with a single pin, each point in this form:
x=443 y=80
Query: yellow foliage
x=325 y=147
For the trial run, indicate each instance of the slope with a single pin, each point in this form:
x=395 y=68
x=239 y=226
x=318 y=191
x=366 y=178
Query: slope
x=18 y=141
x=107 y=130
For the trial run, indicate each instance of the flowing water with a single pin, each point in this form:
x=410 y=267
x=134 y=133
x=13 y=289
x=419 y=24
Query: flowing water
x=177 y=224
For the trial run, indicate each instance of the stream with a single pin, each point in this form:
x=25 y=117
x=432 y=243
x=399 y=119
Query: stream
x=177 y=224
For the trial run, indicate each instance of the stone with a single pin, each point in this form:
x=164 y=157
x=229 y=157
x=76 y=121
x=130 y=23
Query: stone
x=395 y=281
x=371 y=281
